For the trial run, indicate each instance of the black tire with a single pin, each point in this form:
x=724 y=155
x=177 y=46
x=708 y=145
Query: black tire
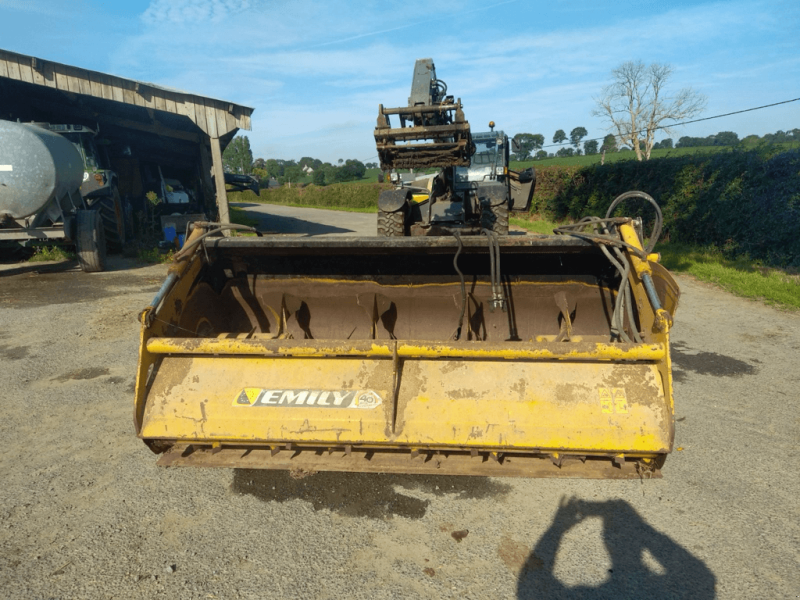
x=112 y=212
x=391 y=224
x=90 y=242
x=495 y=218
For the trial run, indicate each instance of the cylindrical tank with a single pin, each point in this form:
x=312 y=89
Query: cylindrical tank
x=36 y=165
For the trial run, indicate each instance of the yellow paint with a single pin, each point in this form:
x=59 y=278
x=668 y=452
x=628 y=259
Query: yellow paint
x=620 y=400
x=501 y=405
x=470 y=350
x=606 y=402
x=628 y=234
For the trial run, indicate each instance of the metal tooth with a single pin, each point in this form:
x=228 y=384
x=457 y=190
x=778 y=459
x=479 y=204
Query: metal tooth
x=348 y=449
x=274 y=450
x=496 y=456
x=473 y=453
x=619 y=459
x=556 y=458
x=414 y=452
x=216 y=447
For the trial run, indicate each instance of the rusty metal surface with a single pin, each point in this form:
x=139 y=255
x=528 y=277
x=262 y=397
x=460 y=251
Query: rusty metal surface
x=426 y=462
x=532 y=243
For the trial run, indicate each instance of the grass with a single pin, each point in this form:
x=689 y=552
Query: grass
x=541 y=225
x=740 y=276
x=51 y=254
x=611 y=157
x=237 y=215
x=154 y=256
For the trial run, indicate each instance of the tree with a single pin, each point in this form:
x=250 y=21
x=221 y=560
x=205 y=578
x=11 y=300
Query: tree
x=238 y=158
x=636 y=104
x=576 y=135
x=566 y=151
x=726 y=138
x=541 y=154
x=318 y=178
x=559 y=137
x=274 y=168
x=590 y=147
x=351 y=170
x=528 y=144
x=609 y=143
x=293 y=173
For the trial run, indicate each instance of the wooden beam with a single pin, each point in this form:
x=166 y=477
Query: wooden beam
x=206 y=170
x=108 y=118
x=219 y=181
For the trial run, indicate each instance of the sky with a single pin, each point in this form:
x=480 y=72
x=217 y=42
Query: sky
x=316 y=71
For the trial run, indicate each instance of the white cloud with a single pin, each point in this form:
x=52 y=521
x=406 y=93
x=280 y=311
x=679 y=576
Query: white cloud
x=180 y=12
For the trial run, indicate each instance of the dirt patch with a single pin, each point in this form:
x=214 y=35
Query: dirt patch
x=13 y=352
x=87 y=373
x=34 y=288
x=514 y=555
x=362 y=494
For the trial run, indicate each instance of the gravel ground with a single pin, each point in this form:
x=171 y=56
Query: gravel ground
x=85 y=513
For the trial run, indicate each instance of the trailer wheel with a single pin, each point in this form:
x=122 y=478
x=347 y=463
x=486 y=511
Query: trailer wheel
x=90 y=242
x=112 y=212
x=391 y=224
x=495 y=218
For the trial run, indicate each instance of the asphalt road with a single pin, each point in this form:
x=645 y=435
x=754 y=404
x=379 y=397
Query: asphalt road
x=85 y=513
x=290 y=220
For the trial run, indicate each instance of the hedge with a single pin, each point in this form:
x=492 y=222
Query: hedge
x=340 y=195
x=742 y=202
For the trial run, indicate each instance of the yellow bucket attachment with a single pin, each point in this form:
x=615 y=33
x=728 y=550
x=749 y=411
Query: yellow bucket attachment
x=407 y=355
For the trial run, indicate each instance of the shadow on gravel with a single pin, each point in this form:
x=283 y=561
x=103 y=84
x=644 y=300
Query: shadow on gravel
x=645 y=563
x=362 y=494
x=707 y=363
x=11 y=269
x=114 y=263
x=270 y=223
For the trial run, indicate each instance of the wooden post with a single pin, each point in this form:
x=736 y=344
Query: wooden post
x=206 y=169
x=219 y=180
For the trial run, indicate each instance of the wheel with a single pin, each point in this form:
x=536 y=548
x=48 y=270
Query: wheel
x=90 y=242
x=112 y=212
x=391 y=224
x=495 y=218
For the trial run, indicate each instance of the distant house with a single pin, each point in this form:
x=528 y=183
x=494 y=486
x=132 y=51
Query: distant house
x=308 y=170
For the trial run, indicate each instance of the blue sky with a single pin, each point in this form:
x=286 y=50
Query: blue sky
x=316 y=71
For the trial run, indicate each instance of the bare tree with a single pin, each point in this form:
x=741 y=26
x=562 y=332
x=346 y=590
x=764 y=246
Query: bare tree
x=636 y=104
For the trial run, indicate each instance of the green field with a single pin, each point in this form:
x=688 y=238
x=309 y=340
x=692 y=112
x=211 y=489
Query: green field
x=611 y=157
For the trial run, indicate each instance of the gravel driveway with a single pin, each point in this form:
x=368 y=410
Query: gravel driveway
x=85 y=513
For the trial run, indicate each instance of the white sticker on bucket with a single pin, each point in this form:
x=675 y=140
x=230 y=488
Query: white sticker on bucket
x=308 y=398
x=6 y=167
